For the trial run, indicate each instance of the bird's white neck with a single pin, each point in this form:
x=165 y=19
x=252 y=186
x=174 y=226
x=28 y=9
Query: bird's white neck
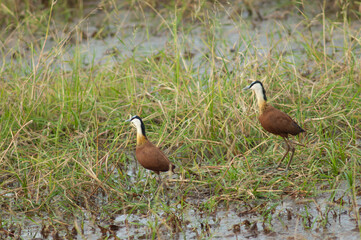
x=260 y=97
x=140 y=136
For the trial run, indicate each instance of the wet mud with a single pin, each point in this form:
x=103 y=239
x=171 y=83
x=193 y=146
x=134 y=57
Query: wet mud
x=328 y=216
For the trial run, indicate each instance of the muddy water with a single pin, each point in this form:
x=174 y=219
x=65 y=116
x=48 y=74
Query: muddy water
x=290 y=219
x=132 y=35
x=134 y=39
x=309 y=218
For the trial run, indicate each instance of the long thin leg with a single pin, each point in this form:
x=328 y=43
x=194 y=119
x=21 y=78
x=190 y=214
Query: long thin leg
x=159 y=178
x=288 y=149
x=292 y=152
x=162 y=186
x=160 y=183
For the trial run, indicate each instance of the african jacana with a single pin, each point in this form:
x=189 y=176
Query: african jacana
x=275 y=121
x=148 y=155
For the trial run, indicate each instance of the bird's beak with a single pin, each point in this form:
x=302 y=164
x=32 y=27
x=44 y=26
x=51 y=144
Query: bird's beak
x=128 y=120
x=246 y=88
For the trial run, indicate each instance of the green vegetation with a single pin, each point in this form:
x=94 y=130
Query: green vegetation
x=65 y=147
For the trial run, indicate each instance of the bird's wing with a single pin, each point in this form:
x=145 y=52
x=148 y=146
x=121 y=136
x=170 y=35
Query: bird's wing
x=152 y=157
x=278 y=122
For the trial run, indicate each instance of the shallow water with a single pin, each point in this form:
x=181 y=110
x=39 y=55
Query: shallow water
x=309 y=218
x=130 y=35
x=288 y=220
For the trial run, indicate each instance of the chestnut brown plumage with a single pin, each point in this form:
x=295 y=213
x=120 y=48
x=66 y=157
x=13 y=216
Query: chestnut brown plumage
x=148 y=155
x=275 y=121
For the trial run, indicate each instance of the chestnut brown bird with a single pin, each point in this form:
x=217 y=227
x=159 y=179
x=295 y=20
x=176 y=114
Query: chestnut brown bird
x=275 y=121
x=148 y=155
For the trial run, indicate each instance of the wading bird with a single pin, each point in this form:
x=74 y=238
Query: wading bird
x=275 y=121
x=148 y=155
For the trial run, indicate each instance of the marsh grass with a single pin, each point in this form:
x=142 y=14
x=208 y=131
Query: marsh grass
x=65 y=146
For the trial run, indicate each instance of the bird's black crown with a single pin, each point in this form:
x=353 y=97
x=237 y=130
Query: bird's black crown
x=264 y=91
x=141 y=123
